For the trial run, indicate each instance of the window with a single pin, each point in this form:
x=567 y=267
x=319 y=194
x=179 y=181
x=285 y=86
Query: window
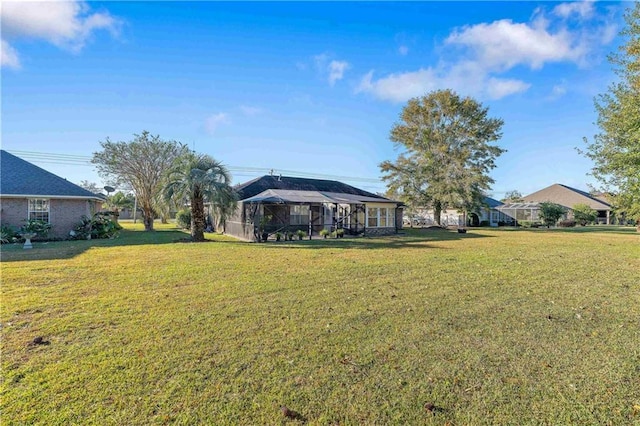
x=372 y=217
x=299 y=215
x=39 y=209
x=381 y=217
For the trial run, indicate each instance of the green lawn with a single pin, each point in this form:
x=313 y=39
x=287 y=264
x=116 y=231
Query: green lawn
x=490 y=327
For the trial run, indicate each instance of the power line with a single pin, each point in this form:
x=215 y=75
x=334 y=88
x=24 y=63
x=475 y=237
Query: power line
x=83 y=160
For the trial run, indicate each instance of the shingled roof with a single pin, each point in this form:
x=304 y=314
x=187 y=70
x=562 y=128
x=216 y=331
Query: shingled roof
x=261 y=184
x=567 y=196
x=21 y=178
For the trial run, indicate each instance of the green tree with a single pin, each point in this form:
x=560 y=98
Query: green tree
x=199 y=179
x=141 y=165
x=584 y=214
x=447 y=153
x=514 y=196
x=550 y=213
x=90 y=186
x=119 y=201
x=615 y=151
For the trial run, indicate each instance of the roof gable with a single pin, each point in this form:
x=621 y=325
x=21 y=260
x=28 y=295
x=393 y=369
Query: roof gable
x=261 y=184
x=19 y=177
x=567 y=196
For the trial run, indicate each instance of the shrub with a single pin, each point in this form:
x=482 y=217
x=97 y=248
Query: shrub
x=300 y=233
x=101 y=225
x=8 y=235
x=324 y=232
x=183 y=218
x=38 y=227
x=567 y=223
x=529 y=223
x=550 y=213
x=484 y=223
x=584 y=214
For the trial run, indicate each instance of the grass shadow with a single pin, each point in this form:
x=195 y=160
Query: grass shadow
x=412 y=238
x=68 y=249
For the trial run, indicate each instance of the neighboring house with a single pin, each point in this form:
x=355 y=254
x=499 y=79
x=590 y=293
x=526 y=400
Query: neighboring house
x=569 y=197
x=29 y=192
x=283 y=204
x=488 y=214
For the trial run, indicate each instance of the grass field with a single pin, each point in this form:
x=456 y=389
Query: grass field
x=432 y=327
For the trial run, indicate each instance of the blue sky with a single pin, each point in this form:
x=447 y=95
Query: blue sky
x=307 y=88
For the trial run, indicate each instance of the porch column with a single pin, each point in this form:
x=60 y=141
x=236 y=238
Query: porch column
x=608 y=211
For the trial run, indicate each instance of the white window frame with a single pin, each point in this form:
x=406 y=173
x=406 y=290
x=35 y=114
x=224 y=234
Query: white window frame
x=36 y=209
x=389 y=217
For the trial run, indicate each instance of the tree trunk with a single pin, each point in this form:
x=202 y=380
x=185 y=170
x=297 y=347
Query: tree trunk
x=197 y=219
x=148 y=219
x=437 y=211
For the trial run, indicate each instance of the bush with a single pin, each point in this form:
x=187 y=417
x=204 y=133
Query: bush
x=484 y=223
x=8 y=235
x=38 y=227
x=567 y=223
x=529 y=223
x=584 y=214
x=183 y=218
x=101 y=225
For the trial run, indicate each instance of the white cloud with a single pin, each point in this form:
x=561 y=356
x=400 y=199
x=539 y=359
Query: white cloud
x=584 y=9
x=66 y=24
x=8 y=56
x=486 y=51
x=498 y=88
x=216 y=120
x=403 y=50
x=503 y=44
x=558 y=91
x=463 y=77
x=336 y=71
x=329 y=68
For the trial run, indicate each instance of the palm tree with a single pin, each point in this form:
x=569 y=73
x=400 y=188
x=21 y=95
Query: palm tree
x=117 y=202
x=199 y=178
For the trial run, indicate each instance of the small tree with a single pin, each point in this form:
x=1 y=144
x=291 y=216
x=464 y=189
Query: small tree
x=550 y=213
x=199 y=178
x=513 y=196
x=584 y=214
x=140 y=164
x=90 y=186
x=117 y=202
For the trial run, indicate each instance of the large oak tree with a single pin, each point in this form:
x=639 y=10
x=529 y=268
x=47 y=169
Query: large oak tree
x=446 y=152
x=140 y=164
x=615 y=151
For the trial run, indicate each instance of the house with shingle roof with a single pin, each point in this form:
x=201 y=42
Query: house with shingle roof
x=30 y=192
x=286 y=204
x=568 y=197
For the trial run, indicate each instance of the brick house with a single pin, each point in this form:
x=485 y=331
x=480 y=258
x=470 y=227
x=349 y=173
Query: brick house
x=30 y=192
x=286 y=204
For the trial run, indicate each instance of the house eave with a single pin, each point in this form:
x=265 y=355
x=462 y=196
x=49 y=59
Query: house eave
x=57 y=197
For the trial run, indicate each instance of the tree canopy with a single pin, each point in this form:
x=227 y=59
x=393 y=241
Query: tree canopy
x=199 y=178
x=141 y=165
x=513 y=196
x=447 y=152
x=550 y=213
x=584 y=214
x=615 y=151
